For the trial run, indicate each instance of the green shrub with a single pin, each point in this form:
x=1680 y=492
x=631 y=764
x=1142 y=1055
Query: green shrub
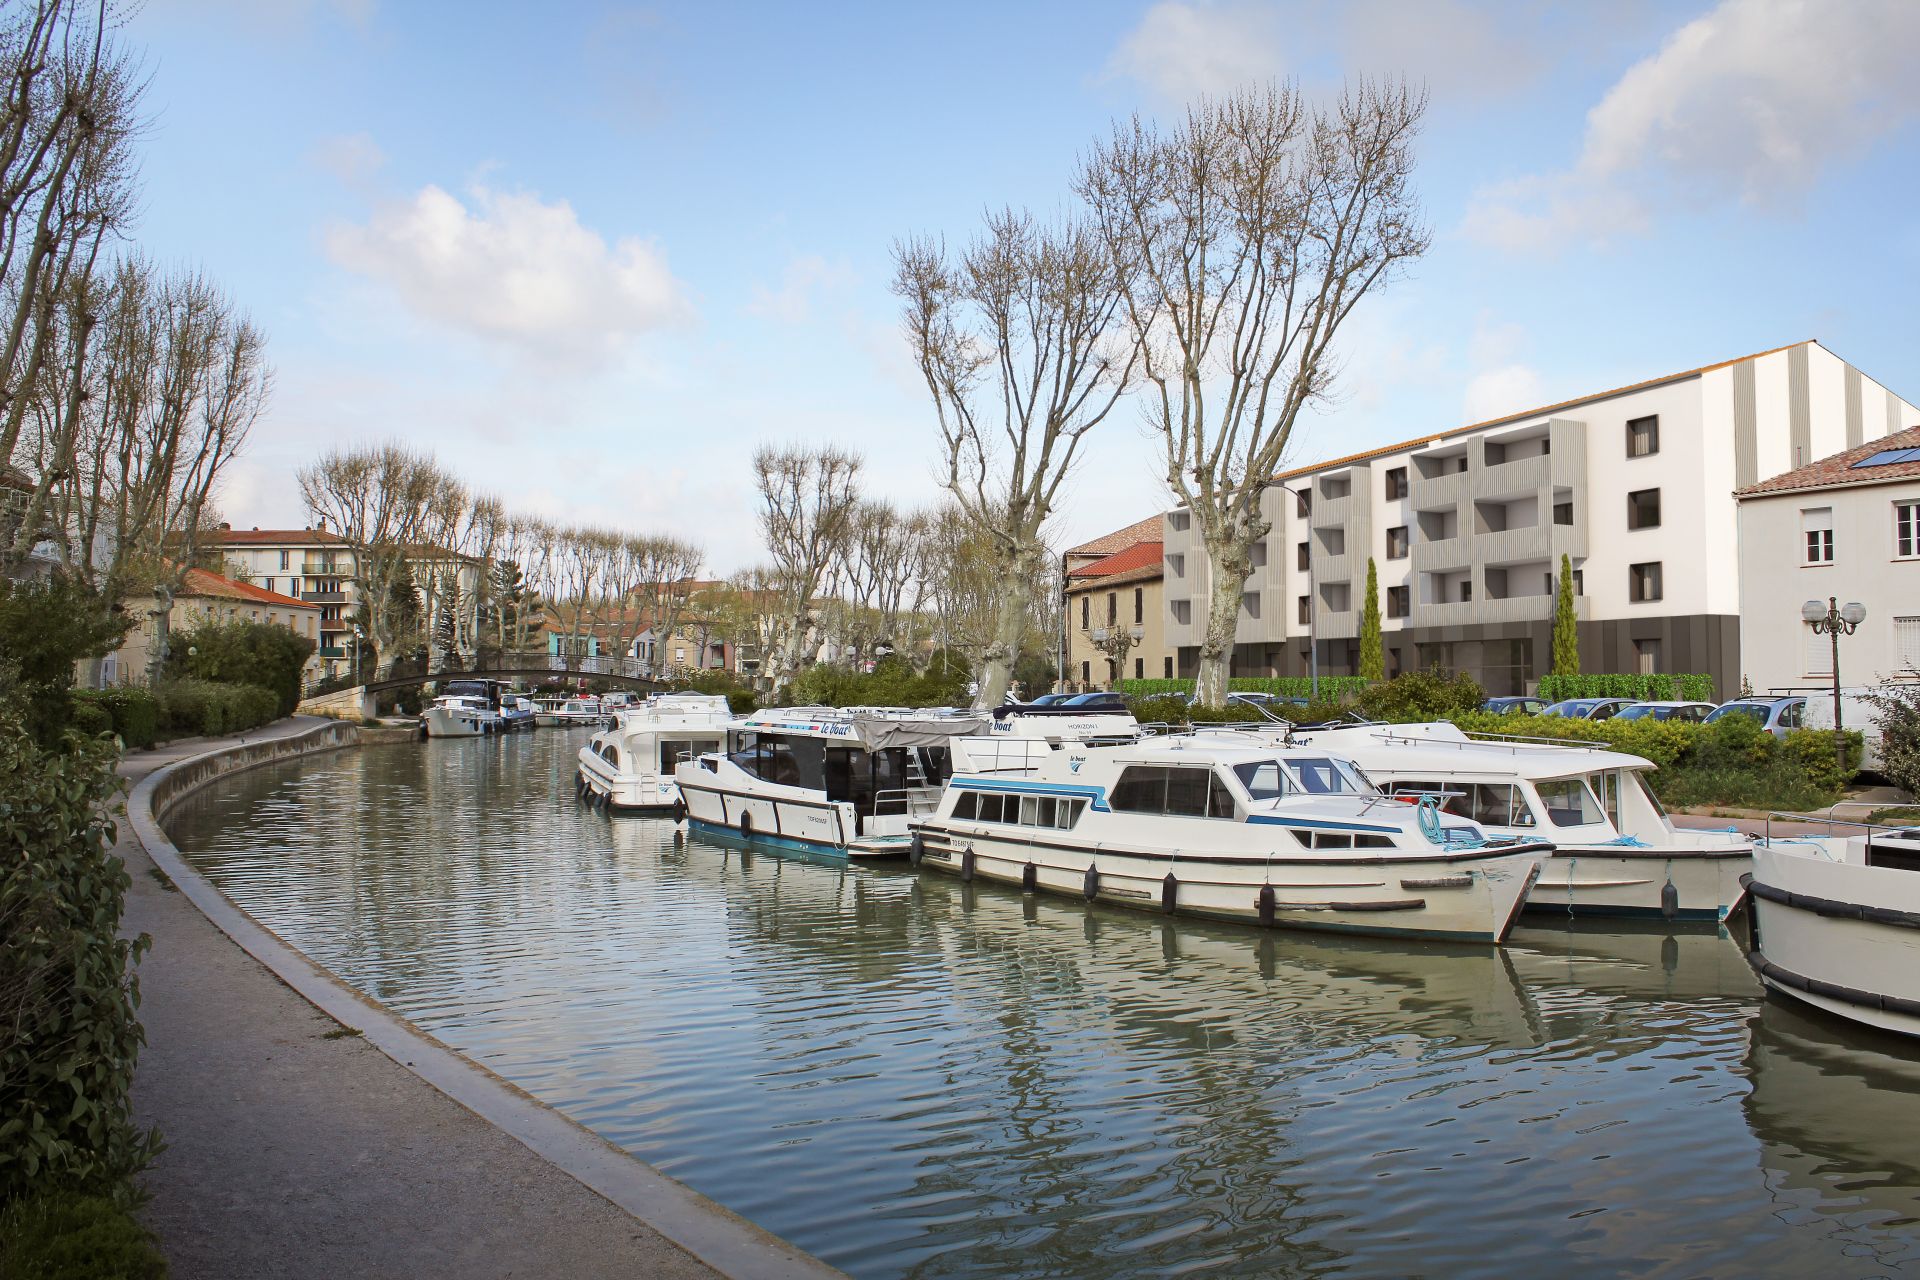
x=1332 y=688
x=1422 y=695
x=87 y=716
x=1657 y=686
x=62 y=1234
x=68 y=1035
x=1897 y=714
x=45 y=627
x=134 y=714
x=891 y=683
x=240 y=652
x=205 y=708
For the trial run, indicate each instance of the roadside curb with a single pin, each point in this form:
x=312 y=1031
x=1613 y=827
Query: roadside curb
x=705 y=1229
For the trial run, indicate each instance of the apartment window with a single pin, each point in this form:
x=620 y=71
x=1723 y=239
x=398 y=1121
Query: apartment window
x=1258 y=555
x=1139 y=668
x=1336 y=487
x=1139 y=605
x=1086 y=612
x=1183 y=612
x=284 y=563
x=1396 y=483
x=1816 y=529
x=1643 y=437
x=1303 y=502
x=1177 y=563
x=1563 y=513
x=1906 y=529
x=1397 y=543
x=1306 y=609
x=1250 y=603
x=679 y=655
x=266 y=584
x=1906 y=644
x=1819 y=650
x=1086 y=673
x=1180 y=521
x=1646 y=656
x=1643 y=582
x=1466 y=591
x=1579 y=582
x=1398 y=601
x=1113 y=608
x=1166 y=667
x=1303 y=558
x=1643 y=509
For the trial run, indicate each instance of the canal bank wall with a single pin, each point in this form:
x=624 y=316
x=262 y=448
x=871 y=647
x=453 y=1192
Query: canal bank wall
x=312 y=1132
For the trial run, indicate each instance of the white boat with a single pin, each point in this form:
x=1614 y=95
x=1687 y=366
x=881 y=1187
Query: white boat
x=1836 y=924
x=569 y=713
x=518 y=713
x=1235 y=830
x=630 y=766
x=460 y=716
x=1616 y=853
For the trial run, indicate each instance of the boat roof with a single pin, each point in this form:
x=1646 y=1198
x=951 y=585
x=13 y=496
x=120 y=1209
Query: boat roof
x=874 y=728
x=1441 y=747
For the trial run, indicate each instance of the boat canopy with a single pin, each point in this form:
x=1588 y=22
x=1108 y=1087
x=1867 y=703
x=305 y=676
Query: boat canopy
x=878 y=733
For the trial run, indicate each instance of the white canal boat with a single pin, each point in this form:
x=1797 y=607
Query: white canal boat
x=1616 y=853
x=850 y=779
x=569 y=713
x=630 y=766
x=1234 y=830
x=1836 y=923
x=461 y=716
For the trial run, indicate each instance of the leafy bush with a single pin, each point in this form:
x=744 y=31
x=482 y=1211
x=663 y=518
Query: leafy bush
x=1897 y=708
x=1167 y=709
x=68 y=1035
x=209 y=709
x=1422 y=695
x=891 y=683
x=45 y=627
x=61 y=1234
x=240 y=652
x=1332 y=688
x=740 y=699
x=1658 y=686
x=134 y=714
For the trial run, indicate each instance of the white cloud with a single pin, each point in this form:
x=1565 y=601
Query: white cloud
x=804 y=278
x=1180 y=50
x=514 y=269
x=1752 y=102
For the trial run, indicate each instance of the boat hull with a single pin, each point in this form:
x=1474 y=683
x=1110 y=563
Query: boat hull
x=1633 y=883
x=627 y=792
x=813 y=821
x=441 y=722
x=1467 y=897
x=1841 y=936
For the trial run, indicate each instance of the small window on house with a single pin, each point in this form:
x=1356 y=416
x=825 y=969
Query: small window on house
x=1906 y=643
x=1466 y=591
x=266 y=584
x=1397 y=543
x=284 y=562
x=1563 y=513
x=1906 y=529
x=1306 y=609
x=1643 y=509
x=1113 y=607
x=1303 y=558
x=1257 y=554
x=1816 y=527
x=1139 y=668
x=1579 y=582
x=1250 y=603
x=1139 y=605
x=1182 y=612
x=1396 y=483
x=1819 y=651
x=1398 y=601
x=1303 y=502
x=1646 y=656
x=1643 y=437
x=1086 y=607
x=1086 y=672
x=1180 y=521
x=1177 y=563
x=1166 y=667
x=1643 y=582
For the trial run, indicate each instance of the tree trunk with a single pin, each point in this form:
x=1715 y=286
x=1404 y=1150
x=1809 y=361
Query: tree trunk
x=1230 y=560
x=1009 y=628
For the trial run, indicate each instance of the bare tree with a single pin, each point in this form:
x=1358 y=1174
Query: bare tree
x=807 y=500
x=1021 y=350
x=1249 y=233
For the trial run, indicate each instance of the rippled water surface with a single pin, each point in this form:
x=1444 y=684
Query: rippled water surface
x=909 y=1077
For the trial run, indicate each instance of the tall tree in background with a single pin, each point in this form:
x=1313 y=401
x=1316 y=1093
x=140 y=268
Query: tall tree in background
x=1373 y=653
x=1021 y=347
x=1566 y=625
x=1248 y=234
x=807 y=503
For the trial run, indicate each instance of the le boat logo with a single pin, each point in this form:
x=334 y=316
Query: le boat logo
x=1074 y=763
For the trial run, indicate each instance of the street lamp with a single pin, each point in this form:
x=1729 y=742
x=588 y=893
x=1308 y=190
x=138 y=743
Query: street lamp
x=1833 y=620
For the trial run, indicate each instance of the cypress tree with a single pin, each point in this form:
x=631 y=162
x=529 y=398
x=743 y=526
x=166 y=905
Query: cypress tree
x=1566 y=632
x=1373 y=654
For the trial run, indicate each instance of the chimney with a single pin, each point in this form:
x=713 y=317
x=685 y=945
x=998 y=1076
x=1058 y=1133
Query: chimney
x=225 y=527
x=322 y=524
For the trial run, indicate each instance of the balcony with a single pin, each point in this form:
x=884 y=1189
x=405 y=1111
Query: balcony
x=1483 y=612
x=1441 y=554
x=1533 y=542
x=331 y=651
x=324 y=597
x=325 y=568
x=1513 y=479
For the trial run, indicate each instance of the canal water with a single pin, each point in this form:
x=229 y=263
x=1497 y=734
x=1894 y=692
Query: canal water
x=911 y=1077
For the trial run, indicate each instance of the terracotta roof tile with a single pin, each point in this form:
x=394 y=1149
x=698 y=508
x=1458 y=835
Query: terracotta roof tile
x=270 y=537
x=199 y=582
x=1144 y=573
x=1838 y=470
x=1120 y=539
x=1140 y=555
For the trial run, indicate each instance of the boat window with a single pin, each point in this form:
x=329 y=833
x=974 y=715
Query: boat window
x=989 y=807
x=966 y=805
x=1263 y=779
x=1069 y=813
x=1029 y=811
x=1607 y=787
x=1325 y=776
x=1187 y=792
x=1646 y=792
x=1141 y=789
x=1169 y=789
x=1497 y=804
x=1048 y=811
x=675 y=751
x=1332 y=840
x=1219 y=798
x=1569 y=803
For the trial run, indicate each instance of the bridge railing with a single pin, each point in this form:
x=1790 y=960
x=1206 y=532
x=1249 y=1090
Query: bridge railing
x=487 y=661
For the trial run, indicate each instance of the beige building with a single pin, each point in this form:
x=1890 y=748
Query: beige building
x=1114 y=609
x=205 y=597
x=1845 y=528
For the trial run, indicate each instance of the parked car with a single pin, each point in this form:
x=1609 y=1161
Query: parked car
x=1687 y=712
x=1096 y=702
x=1515 y=706
x=1778 y=716
x=1588 y=708
x=1050 y=699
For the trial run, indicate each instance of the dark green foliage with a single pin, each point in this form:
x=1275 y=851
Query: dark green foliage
x=132 y=713
x=1169 y=709
x=1566 y=625
x=242 y=652
x=891 y=683
x=61 y=1234
x=1655 y=687
x=740 y=699
x=1373 y=652
x=45 y=627
x=1897 y=713
x=1422 y=695
x=1035 y=674
x=204 y=708
x=1332 y=688
x=68 y=1035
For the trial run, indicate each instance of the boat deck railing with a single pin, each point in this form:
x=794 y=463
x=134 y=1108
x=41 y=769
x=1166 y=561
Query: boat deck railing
x=1515 y=741
x=911 y=801
x=1815 y=819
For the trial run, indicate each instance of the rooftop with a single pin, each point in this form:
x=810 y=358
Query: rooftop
x=200 y=583
x=272 y=537
x=1862 y=464
x=1141 y=555
x=1147 y=530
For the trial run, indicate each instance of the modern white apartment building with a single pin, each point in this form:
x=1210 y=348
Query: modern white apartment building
x=1466 y=528
x=1845 y=528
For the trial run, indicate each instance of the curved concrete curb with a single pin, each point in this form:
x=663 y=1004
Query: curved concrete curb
x=710 y=1232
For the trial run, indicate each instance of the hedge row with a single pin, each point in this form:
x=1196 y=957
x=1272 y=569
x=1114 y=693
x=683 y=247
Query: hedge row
x=1331 y=687
x=1654 y=687
x=208 y=709
x=134 y=714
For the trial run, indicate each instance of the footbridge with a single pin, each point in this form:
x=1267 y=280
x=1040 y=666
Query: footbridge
x=352 y=698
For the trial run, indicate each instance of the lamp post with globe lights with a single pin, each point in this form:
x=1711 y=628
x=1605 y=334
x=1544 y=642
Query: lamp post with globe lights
x=1835 y=620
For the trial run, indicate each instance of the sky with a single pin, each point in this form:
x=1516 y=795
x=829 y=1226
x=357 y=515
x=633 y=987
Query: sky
x=592 y=255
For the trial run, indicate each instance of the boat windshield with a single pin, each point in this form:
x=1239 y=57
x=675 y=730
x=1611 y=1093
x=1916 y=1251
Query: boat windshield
x=1263 y=779
x=1324 y=775
x=1569 y=803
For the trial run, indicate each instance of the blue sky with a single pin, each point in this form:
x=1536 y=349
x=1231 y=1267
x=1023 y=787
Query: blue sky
x=592 y=260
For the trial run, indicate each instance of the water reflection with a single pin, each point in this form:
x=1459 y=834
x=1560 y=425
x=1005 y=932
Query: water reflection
x=913 y=1076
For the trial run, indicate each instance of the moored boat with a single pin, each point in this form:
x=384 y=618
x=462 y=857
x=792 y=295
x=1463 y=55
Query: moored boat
x=460 y=716
x=1233 y=830
x=630 y=766
x=569 y=713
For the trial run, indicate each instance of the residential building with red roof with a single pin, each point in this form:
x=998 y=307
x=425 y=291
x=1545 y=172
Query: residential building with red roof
x=1114 y=609
x=207 y=597
x=1467 y=526
x=1844 y=528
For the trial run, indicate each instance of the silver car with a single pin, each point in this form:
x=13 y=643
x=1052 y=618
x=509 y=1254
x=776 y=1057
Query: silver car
x=1778 y=716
